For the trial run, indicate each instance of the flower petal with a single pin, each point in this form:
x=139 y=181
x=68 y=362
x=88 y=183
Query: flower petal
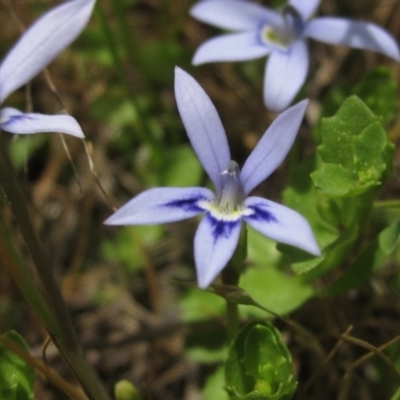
x=42 y=42
x=232 y=47
x=285 y=74
x=234 y=14
x=272 y=147
x=203 y=126
x=281 y=223
x=305 y=7
x=361 y=35
x=14 y=121
x=214 y=245
x=161 y=205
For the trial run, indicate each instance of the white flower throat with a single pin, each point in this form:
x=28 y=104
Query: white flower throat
x=283 y=36
x=232 y=195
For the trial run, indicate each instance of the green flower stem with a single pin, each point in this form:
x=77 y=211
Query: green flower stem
x=232 y=315
x=230 y=277
x=63 y=336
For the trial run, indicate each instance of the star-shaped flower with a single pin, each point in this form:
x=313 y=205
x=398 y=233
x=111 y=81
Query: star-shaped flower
x=283 y=36
x=218 y=233
x=38 y=46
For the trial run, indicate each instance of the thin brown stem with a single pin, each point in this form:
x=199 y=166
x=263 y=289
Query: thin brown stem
x=65 y=338
x=72 y=391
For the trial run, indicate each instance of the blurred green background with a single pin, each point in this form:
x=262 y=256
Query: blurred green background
x=131 y=291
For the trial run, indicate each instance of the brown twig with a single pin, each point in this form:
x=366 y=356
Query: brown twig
x=325 y=362
x=373 y=351
x=72 y=391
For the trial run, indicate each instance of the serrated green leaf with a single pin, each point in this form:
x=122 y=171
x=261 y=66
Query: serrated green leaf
x=369 y=149
x=355 y=152
x=16 y=376
x=338 y=132
x=333 y=180
x=259 y=365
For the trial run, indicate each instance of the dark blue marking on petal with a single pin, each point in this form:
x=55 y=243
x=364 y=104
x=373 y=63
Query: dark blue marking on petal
x=260 y=214
x=221 y=228
x=10 y=120
x=186 y=204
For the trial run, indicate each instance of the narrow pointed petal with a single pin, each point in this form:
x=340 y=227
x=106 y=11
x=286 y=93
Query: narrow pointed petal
x=203 y=126
x=361 y=35
x=232 y=47
x=234 y=14
x=42 y=42
x=285 y=74
x=305 y=7
x=281 y=223
x=14 y=121
x=272 y=147
x=214 y=245
x=161 y=205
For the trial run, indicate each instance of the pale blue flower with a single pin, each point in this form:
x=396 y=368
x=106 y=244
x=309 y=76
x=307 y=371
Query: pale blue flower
x=38 y=46
x=218 y=233
x=283 y=36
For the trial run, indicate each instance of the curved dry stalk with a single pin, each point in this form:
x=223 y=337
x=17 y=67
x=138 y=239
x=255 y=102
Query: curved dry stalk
x=89 y=150
x=373 y=351
x=52 y=376
x=324 y=363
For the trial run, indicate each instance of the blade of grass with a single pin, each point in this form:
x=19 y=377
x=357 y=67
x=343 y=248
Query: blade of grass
x=64 y=336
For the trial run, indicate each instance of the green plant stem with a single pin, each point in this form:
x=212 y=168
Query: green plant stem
x=230 y=276
x=64 y=336
x=232 y=315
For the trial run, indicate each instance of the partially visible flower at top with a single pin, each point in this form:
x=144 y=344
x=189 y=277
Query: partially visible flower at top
x=283 y=35
x=218 y=233
x=38 y=46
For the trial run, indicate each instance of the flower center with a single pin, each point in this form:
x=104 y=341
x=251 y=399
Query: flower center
x=284 y=35
x=232 y=194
